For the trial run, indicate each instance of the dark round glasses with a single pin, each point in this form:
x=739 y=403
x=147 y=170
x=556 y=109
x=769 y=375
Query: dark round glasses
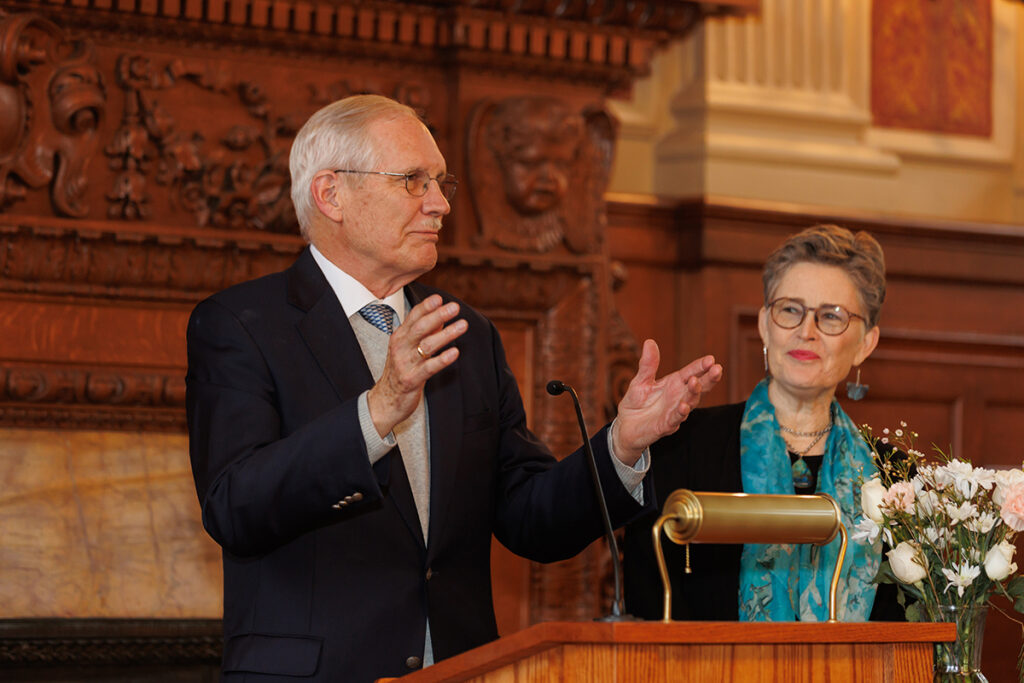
x=831 y=319
x=417 y=182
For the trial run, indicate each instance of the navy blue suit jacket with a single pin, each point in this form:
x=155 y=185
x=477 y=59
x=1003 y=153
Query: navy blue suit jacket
x=342 y=592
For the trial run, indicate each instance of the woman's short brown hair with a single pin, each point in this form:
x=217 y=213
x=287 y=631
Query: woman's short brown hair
x=859 y=255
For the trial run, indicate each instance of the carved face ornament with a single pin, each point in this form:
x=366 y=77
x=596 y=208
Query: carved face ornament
x=538 y=151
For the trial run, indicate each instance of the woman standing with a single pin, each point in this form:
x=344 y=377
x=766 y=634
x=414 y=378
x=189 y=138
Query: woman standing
x=823 y=293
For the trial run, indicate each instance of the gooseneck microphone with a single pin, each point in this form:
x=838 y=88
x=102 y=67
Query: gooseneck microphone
x=556 y=388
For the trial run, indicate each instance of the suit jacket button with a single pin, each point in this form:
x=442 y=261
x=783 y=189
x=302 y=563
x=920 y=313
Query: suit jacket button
x=430 y=572
x=356 y=497
x=414 y=662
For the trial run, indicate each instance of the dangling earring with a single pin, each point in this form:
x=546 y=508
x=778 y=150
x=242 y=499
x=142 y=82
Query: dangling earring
x=764 y=350
x=855 y=390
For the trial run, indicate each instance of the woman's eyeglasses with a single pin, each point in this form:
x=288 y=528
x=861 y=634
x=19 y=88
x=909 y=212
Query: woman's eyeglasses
x=831 y=319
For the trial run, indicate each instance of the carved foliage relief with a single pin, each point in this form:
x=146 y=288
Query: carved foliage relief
x=198 y=142
x=52 y=102
x=184 y=141
x=232 y=178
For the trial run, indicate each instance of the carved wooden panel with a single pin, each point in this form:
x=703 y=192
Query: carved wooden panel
x=143 y=151
x=72 y=650
x=181 y=203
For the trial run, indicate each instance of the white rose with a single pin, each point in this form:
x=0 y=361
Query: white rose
x=907 y=562
x=998 y=561
x=871 y=498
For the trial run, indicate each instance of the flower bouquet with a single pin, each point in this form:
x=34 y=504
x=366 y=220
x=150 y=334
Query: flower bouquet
x=950 y=527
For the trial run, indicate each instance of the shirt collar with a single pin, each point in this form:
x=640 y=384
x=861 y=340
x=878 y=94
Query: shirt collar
x=351 y=293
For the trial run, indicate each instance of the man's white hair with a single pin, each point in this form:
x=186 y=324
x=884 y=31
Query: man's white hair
x=337 y=136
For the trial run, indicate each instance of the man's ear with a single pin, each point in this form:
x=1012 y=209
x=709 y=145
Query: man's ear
x=326 y=191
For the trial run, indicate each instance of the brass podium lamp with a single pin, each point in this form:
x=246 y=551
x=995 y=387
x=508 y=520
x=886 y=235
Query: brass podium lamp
x=702 y=517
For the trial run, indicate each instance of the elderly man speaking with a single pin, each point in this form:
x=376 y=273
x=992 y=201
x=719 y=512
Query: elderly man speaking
x=356 y=437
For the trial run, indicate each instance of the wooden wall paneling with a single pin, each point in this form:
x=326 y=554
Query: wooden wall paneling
x=649 y=247
x=558 y=312
x=510 y=575
x=951 y=391
x=950 y=329
x=949 y=357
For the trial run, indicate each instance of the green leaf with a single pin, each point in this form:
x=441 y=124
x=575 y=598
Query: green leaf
x=1015 y=586
x=885 y=574
x=916 y=612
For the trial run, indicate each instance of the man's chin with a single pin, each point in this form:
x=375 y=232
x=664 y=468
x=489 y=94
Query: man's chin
x=427 y=259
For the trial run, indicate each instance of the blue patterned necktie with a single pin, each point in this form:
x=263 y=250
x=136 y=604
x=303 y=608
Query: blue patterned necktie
x=380 y=316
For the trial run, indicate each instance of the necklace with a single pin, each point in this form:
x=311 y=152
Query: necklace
x=801 y=472
x=820 y=432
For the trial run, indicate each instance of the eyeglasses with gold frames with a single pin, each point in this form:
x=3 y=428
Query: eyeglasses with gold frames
x=417 y=182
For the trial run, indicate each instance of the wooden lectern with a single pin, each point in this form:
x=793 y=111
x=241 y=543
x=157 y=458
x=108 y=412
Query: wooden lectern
x=658 y=652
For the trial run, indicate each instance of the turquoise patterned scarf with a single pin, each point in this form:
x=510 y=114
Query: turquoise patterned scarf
x=791 y=582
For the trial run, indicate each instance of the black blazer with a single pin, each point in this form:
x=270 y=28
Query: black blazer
x=342 y=593
x=703 y=455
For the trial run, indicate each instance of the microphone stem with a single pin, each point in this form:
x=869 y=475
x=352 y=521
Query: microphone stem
x=613 y=546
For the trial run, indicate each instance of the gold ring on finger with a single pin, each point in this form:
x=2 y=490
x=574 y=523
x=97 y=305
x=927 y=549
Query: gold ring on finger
x=423 y=354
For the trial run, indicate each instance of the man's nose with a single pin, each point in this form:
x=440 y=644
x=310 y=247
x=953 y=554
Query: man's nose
x=434 y=202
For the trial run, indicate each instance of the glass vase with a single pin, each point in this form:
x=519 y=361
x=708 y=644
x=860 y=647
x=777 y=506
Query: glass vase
x=960 y=660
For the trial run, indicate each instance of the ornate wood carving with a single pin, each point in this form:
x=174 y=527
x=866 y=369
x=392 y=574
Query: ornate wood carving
x=52 y=101
x=35 y=643
x=189 y=107
x=239 y=179
x=538 y=172
x=88 y=259
x=38 y=395
x=623 y=349
x=242 y=182
x=606 y=45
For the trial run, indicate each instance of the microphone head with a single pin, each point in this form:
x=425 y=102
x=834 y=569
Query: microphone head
x=555 y=387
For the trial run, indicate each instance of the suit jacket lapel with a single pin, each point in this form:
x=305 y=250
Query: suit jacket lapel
x=326 y=330
x=444 y=404
x=329 y=336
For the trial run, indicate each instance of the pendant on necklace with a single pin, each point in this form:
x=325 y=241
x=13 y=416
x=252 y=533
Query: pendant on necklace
x=801 y=474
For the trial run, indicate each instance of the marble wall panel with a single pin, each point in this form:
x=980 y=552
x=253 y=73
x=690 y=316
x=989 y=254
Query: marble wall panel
x=102 y=524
